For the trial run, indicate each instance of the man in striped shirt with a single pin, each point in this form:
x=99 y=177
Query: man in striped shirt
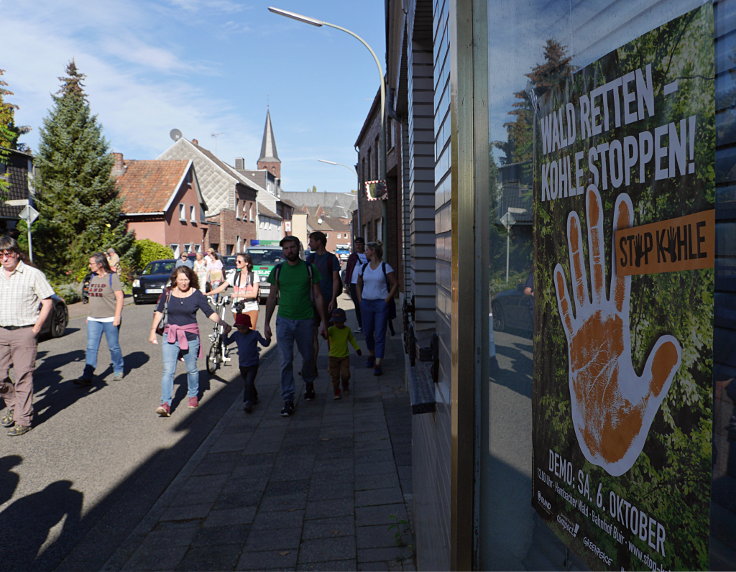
x=22 y=289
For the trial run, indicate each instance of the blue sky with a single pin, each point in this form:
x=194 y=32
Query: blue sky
x=210 y=68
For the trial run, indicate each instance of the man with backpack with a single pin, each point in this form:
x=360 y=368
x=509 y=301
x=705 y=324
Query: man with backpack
x=295 y=284
x=330 y=284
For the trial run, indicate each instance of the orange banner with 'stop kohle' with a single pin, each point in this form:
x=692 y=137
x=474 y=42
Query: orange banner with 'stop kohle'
x=682 y=243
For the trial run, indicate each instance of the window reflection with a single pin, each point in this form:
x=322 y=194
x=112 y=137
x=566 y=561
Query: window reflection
x=532 y=45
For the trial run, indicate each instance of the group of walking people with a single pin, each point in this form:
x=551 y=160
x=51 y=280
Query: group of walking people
x=306 y=291
x=206 y=265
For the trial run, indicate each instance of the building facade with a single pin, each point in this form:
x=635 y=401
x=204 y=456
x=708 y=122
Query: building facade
x=17 y=170
x=231 y=197
x=162 y=202
x=613 y=122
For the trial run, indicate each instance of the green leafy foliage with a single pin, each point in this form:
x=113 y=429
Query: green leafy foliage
x=141 y=253
x=78 y=204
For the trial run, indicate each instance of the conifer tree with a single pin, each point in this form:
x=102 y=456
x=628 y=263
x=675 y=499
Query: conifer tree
x=78 y=204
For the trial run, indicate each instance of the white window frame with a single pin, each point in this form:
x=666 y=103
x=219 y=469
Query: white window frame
x=182 y=212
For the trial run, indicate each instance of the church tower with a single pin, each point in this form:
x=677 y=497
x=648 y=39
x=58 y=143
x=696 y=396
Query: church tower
x=269 y=159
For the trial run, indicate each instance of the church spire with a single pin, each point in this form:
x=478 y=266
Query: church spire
x=269 y=159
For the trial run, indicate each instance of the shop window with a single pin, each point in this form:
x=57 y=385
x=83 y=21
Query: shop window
x=572 y=88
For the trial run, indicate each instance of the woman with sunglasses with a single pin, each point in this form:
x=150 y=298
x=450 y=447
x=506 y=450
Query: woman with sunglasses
x=246 y=287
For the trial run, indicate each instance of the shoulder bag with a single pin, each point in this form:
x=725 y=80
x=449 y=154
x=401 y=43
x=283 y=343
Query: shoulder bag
x=162 y=324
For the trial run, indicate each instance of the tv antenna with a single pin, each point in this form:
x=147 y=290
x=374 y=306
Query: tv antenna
x=175 y=134
x=215 y=136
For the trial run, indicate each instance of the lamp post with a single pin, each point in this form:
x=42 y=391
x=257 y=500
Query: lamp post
x=382 y=133
x=351 y=169
x=355 y=173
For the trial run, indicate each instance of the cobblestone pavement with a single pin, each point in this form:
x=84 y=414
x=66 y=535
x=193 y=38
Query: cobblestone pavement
x=326 y=489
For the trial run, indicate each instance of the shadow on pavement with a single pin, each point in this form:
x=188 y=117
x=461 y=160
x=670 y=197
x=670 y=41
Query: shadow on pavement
x=96 y=536
x=26 y=523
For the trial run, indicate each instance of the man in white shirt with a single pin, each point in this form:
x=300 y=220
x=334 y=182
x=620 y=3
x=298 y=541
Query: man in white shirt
x=22 y=289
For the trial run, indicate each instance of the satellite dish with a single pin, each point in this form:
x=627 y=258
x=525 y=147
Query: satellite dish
x=175 y=134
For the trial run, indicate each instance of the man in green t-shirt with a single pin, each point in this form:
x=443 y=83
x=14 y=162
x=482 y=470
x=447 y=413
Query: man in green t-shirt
x=296 y=286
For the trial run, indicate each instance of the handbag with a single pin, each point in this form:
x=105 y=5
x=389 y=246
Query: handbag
x=162 y=324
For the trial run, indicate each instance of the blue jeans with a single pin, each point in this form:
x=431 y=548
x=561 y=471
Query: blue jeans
x=302 y=332
x=375 y=320
x=170 y=355
x=94 y=336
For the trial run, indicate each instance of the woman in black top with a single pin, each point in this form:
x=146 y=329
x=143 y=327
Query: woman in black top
x=180 y=301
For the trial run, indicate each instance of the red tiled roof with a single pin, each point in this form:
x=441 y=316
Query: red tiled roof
x=147 y=186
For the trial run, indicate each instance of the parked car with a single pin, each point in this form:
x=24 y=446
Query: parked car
x=512 y=310
x=149 y=284
x=264 y=259
x=57 y=320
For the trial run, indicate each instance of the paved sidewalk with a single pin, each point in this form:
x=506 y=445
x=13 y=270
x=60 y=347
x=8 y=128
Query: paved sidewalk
x=326 y=489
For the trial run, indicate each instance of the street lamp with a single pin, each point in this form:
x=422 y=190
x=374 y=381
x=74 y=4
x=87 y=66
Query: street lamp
x=351 y=169
x=382 y=132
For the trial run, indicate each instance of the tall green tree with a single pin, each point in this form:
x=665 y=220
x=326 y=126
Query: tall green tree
x=555 y=69
x=78 y=204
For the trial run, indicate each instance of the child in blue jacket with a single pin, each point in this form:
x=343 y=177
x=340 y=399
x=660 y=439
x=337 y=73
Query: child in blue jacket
x=248 y=360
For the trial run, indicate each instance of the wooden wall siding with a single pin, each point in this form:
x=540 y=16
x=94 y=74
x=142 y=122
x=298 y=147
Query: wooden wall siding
x=421 y=187
x=431 y=451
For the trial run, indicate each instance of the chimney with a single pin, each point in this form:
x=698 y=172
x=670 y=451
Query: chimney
x=240 y=163
x=118 y=167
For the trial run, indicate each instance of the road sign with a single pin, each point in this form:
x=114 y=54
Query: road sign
x=16 y=202
x=28 y=214
x=508 y=220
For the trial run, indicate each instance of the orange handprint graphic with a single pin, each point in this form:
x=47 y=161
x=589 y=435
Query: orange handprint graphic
x=612 y=406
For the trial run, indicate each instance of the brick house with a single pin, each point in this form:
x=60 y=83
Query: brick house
x=162 y=202
x=230 y=196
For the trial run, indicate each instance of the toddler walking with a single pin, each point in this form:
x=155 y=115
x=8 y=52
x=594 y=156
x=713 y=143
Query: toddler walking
x=338 y=337
x=247 y=341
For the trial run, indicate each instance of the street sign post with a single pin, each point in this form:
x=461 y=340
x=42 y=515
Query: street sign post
x=29 y=214
x=508 y=221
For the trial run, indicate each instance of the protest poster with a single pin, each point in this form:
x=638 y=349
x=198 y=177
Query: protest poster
x=623 y=272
